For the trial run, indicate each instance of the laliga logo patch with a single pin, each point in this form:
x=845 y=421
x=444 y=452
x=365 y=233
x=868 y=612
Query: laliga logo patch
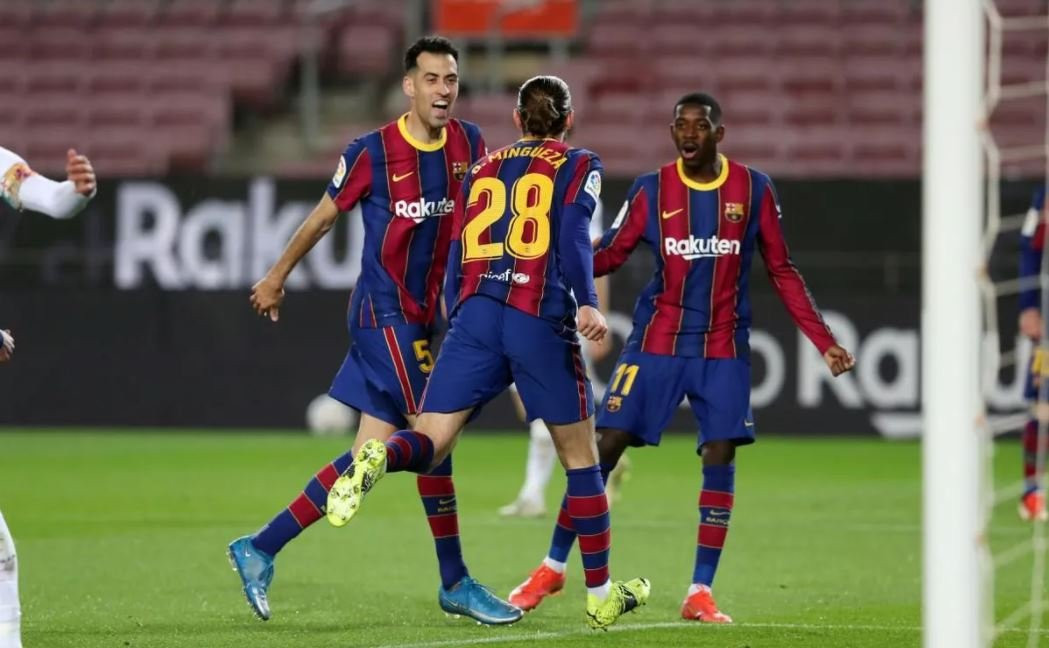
x=11 y=183
x=459 y=170
x=593 y=185
x=733 y=212
x=340 y=173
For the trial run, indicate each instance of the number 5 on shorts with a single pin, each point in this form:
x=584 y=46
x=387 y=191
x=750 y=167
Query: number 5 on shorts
x=423 y=355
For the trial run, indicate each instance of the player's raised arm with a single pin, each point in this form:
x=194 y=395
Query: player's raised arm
x=349 y=184
x=25 y=189
x=791 y=287
x=619 y=241
x=1032 y=240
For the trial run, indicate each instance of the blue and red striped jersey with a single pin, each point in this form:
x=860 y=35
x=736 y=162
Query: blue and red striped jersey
x=407 y=191
x=1032 y=242
x=704 y=236
x=508 y=220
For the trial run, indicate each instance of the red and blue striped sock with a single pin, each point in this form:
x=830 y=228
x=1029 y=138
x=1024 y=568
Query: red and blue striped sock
x=409 y=450
x=715 y=509
x=1030 y=450
x=304 y=510
x=564 y=533
x=438 y=495
x=588 y=508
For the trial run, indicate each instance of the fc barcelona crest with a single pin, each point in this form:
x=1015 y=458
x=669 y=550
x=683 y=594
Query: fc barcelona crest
x=459 y=170
x=733 y=212
x=614 y=403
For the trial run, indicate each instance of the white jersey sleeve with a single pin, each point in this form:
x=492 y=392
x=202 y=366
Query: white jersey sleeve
x=597 y=225
x=23 y=188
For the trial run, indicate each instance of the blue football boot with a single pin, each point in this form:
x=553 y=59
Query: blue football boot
x=470 y=598
x=255 y=569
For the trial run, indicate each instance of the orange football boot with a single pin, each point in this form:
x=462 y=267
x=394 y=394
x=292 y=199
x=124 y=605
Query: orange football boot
x=701 y=607
x=1032 y=507
x=541 y=583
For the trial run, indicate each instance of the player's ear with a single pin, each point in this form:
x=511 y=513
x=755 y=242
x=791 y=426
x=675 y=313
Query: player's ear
x=569 y=121
x=520 y=127
x=408 y=85
x=719 y=133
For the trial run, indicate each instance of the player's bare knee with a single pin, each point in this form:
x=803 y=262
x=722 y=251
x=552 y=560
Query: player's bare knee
x=611 y=445
x=718 y=453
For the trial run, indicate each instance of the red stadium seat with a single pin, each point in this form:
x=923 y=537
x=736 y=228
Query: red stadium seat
x=128 y=13
x=886 y=12
x=745 y=12
x=673 y=39
x=255 y=12
x=176 y=45
x=363 y=49
x=618 y=40
x=680 y=12
x=750 y=74
x=17 y=13
x=118 y=77
x=54 y=78
x=738 y=40
x=821 y=40
x=638 y=12
x=128 y=44
x=48 y=43
x=195 y=13
x=883 y=108
x=807 y=13
x=68 y=13
x=882 y=73
x=810 y=75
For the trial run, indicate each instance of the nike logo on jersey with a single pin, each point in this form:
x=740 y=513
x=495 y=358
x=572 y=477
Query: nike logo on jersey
x=671 y=214
x=398 y=178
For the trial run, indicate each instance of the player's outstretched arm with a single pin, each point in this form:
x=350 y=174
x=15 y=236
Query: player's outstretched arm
x=25 y=189
x=268 y=294
x=7 y=347
x=613 y=249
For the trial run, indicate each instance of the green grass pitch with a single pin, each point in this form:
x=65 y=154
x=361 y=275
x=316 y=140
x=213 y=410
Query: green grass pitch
x=121 y=540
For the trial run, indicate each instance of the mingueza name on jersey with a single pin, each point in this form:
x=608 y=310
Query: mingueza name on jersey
x=423 y=208
x=506 y=276
x=699 y=248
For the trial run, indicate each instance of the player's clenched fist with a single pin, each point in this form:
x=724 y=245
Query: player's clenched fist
x=591 y=323
x=266 y=297
x=839 y=360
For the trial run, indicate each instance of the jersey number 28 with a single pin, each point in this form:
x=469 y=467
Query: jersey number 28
x=531 y=197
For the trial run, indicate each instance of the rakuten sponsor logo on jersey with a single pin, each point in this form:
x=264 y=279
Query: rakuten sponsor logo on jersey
x=420 y=209
x=700 y=248
x=506 y=276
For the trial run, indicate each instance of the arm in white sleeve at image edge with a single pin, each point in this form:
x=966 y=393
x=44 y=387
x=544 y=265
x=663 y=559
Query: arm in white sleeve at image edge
x=23 y=188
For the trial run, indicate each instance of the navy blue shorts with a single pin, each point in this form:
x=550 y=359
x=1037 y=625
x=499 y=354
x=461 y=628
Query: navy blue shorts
x=491 y=345
x=645 y=390
x=385 y=371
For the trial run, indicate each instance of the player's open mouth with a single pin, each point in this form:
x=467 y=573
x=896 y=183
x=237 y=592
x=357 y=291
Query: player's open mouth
x=440 y=108
x=689 y=150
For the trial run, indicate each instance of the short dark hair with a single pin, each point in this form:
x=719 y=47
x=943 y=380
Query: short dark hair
x=701 y=99
x=431 y=44
x=544 y=103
